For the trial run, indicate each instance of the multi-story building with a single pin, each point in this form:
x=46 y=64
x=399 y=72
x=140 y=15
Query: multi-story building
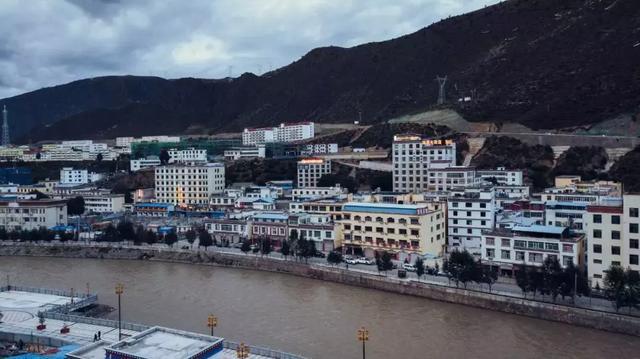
x=270 y=224
x=237 y=153
x=613 y=236
x=319 y=149
x=470 y=212
x=414 y=156
x=108 y=203
x=330 y=206
x=149 y=161
x=286 y=132
x=310 y=170
x=450 y=178
x=566 y=214
x=190 y=155
x=232 y=229
x=319 y=229
x=531 y=245
x=310 y=193
x=502 y=176
x=188 y=184
x=406 y=231
x=32 y=214
x=73 y=177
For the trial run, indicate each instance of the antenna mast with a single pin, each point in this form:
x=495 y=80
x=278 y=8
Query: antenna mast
x=5 y=127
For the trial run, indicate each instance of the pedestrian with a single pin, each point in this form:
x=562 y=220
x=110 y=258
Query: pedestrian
x=99 y=335
x=95 y=337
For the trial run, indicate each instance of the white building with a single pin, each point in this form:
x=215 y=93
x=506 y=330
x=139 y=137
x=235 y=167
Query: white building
x=307 y=193
x=319 y=149
x=613 y=236
x=414 y=156
x=32 y=214
x=286 y=132
x=149 y=161
x=188 y=184
x=109 y=203
x=310 y=170
x=73 y=177
x=531 y=245
x=502 y=176
x=450 y=178
x=566 y=214
x=191 y=155
x=470 y=212
x=237 y=153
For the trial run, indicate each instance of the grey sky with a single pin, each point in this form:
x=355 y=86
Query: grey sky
x=50 y=42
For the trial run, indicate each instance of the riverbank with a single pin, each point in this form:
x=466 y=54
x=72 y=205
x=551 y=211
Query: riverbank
x=547 y=311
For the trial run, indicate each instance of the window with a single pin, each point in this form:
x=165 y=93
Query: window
x=633 y=212
x=633 y=228
x=490 y=252
x=597 y=218
x=615 y=219
x=633 y=259
x=566 y=260
x=490 y=241
x=615 y=250
x=567 y=247
x=597 y=233
x=519 y=256
x=535 y=257
x=633 y=243
x=468 y=205
x=597 y=261
x=505 y=254
x=505 y=242
x=615 y=234
x=597 y=248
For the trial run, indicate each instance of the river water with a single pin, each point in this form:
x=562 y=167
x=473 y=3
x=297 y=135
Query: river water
x=310 y=317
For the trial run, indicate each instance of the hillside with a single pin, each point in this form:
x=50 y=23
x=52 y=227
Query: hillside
x=542 y=63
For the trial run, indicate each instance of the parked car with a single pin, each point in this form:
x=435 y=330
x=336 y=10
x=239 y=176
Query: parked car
x=402 y=273
x=408 y=267
x=319 y=254
x=366 y=261
x=237 y=245
x=351 y=261
x=184 y=247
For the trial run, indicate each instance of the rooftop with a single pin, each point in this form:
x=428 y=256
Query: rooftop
x=390 y=208
x=165 y=343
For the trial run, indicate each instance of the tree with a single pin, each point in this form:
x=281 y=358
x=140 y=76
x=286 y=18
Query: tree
x=461 y=267
x=285 y=249
x=419 y=264
x=191 y=237
x=204 y=239
x=293 y=242
x=522 y=279
x=384 y=262
x=110 y=234
x=150 y=237
x=99 y=157
x=75 y=206
x=171 y=238
x=489 y=275
x=126 y=231
x=334 y=257
x=622 y=287
x=246 y=247
x=3 y=234
x=139 y=237
x=552 y=277
x=266 y=246
x=164 y=156
x=535 y=280
x=302 y=248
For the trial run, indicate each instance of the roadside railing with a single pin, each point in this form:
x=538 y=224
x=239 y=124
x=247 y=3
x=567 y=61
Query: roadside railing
x=94 y=321
x=266 y=352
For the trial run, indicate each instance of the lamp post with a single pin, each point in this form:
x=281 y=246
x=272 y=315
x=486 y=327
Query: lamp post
x=119 y=291
x=212 y=322
x=242 y=351
x=363 y=336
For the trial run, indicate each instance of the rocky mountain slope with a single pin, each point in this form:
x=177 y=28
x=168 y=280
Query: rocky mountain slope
x=542 y=63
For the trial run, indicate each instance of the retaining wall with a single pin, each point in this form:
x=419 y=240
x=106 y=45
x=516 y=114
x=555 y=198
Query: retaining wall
x=548 y=311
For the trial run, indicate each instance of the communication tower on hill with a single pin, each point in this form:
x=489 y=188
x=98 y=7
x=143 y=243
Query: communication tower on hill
x=5 y=127
x=442 y=81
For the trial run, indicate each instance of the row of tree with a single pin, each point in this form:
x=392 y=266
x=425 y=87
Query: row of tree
x=622 y=287
x=552 y=279
x=35 y=235
x=296 y=246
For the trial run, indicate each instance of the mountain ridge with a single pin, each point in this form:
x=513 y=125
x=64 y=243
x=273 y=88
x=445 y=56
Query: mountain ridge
x=542 y=63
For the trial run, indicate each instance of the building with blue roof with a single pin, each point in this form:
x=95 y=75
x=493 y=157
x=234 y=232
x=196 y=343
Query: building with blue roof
x=406 y=231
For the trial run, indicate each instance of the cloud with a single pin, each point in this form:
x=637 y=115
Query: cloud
x=45 y=43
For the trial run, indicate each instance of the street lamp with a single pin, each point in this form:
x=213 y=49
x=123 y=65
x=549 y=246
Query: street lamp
x=363 y=336
x=212 y=322
x=242 y=351
x=119 y=291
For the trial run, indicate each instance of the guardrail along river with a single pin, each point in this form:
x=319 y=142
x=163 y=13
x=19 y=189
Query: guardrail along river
x=310 y=317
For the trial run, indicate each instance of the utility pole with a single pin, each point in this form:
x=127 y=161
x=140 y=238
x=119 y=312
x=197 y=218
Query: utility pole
x=442 y=81
x=5 y=127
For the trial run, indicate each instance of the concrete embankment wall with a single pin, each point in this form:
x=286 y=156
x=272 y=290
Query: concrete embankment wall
x=570 y=315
